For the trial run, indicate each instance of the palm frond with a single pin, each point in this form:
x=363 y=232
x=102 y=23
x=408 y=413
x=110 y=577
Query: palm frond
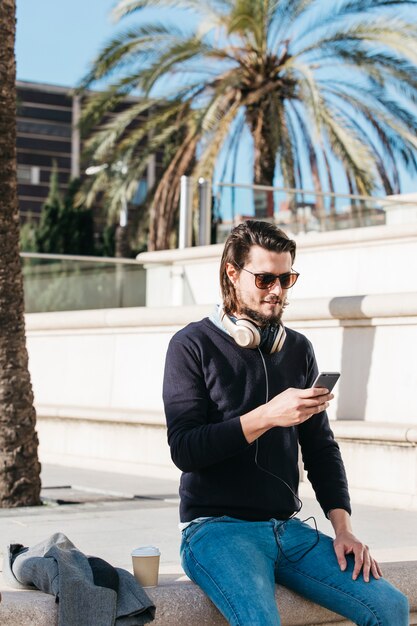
x=111 y=130
x=209 y=8
x=95 y=105
x=394 y=124
x=250 y=19
x=205 y=166
x=384 y=67
x=165 y=202
x=361 y=6
x=140 y=43
x=308 y=87
x=175 y=56
x=335 y=81
x=284 y=13
x=102 y=145
x=117 y=187
x=377 y=158
x=349 y=147
x=307 y=141
x=395 y=34
x=339 y=14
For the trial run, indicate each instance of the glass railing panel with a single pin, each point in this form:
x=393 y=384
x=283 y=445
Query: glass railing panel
x=65 y=283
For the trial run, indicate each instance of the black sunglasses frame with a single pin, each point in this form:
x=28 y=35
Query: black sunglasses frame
x=269 y=283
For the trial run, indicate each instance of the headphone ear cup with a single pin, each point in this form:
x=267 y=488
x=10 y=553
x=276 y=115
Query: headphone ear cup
x=279 y=339
x=246 y=334
x=243 y=332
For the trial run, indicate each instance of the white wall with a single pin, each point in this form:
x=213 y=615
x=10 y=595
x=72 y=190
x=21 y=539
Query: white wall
x=112 y=361
x=374 y=260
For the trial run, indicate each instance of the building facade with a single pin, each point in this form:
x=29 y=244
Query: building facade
x=48 y=133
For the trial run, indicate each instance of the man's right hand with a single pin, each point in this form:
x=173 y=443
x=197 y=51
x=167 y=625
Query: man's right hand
x=289 y=408
x=295 y=406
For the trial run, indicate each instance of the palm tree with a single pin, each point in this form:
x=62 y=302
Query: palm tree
x=19 y=465
x=316 y=83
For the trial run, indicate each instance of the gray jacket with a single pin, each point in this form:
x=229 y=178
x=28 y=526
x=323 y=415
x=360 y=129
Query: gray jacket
x=90 y=592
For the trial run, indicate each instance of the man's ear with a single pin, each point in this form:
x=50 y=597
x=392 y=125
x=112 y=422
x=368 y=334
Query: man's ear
x=232 y=273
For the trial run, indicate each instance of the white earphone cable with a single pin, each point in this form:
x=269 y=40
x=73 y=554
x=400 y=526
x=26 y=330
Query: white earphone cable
x=282 y=480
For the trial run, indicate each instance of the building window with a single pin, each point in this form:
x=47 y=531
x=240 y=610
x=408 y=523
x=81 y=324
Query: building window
x=28 y=174
x=43 y=128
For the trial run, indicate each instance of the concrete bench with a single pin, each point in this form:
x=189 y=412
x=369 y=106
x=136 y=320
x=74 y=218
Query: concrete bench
x=179 y=602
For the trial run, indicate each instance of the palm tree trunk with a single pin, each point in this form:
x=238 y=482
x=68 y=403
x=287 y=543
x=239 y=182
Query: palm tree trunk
x=264 y=161
x=19 y=465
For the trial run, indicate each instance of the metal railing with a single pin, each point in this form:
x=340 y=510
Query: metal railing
x=303 y=211
x=295 y=210
x=55 y=282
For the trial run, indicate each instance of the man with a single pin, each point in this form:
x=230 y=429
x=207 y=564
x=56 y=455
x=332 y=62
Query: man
x=239 y=399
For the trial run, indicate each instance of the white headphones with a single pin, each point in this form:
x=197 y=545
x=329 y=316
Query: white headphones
x=248 y=335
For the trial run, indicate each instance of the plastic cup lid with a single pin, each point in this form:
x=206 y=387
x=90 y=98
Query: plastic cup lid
x=146 y=551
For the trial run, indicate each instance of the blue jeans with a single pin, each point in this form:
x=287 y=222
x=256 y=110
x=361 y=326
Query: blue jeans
x=237 y=564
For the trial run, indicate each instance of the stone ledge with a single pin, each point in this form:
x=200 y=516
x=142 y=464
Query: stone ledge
x=350 y=237
x=375 y=432
x=355 y=309
x=360 y=430
x=179 y=601
x=168 y=317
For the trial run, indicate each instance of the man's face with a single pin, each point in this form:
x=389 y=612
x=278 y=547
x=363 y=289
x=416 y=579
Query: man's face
x=263 y=306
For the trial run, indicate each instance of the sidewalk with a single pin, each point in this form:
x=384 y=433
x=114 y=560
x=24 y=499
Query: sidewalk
x=115 y=513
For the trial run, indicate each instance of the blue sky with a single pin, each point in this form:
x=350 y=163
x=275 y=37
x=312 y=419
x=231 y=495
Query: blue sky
x=57 y=39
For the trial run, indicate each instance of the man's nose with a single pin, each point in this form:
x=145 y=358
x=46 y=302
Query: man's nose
x=276 y=288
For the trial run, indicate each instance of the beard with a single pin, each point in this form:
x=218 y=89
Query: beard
x=260 y=318
x=245 y=308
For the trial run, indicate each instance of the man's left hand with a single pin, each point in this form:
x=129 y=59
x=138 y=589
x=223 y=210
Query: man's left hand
x=346 y=543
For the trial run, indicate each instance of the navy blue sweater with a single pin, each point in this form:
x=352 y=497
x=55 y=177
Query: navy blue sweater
x=209 y=383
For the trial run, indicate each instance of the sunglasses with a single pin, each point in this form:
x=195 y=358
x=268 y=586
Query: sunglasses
x=265 y=280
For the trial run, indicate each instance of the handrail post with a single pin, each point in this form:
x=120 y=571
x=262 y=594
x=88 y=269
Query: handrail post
x=186 y=212
x=204 y=206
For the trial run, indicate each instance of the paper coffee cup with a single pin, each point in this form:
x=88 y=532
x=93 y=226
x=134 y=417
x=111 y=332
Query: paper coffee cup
x=145 y=560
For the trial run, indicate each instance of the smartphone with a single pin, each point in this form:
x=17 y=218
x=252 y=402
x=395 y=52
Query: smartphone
x=326 y=380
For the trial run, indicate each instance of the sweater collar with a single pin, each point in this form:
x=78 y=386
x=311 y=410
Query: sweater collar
x=215 y=318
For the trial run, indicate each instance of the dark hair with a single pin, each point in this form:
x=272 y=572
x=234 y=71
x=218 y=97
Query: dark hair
x=236 y=251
